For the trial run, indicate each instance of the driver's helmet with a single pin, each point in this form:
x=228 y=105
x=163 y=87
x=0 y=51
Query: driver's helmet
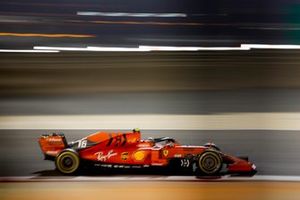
x=136 y=130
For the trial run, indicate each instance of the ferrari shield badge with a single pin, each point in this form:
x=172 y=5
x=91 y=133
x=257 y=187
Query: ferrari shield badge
x=165 y=152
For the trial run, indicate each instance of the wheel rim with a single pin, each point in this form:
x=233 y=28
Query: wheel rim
x=67 y=162
x=209 y=163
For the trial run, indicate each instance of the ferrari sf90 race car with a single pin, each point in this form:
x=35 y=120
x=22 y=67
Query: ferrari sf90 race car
x=118 y=149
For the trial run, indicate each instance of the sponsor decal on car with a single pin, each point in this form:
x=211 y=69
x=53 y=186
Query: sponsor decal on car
x=139 y=155
x=104 y=157
x=55 y=139
x=184 y=163
x=124 y=155
x=177 y=155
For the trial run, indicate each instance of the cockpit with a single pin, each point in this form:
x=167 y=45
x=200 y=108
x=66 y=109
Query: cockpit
x=162 y=141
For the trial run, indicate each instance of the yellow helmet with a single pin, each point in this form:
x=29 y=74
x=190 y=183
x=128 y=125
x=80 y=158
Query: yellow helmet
x=136 y=130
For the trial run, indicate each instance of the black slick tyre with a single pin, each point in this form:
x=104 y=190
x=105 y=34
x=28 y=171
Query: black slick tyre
x=67 y=162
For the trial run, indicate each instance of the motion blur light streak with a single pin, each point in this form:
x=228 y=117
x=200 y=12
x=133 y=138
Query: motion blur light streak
x=147 y=23
x=270 y=46
x=144 y=48
x=117 y=49
x=46 y=35
x=61 y=48
x=103 y=49
x=123 y=14
x=169 y=48
x=27 y=51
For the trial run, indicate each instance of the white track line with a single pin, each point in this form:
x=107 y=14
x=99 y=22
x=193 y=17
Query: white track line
x=225 y=121
x=145 y=178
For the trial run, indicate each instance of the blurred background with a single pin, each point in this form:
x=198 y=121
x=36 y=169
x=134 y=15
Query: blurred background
x=182 y=69
x=78 y=67
x=80 y=23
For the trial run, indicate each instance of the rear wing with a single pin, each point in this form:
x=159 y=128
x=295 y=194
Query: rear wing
x=52 y=144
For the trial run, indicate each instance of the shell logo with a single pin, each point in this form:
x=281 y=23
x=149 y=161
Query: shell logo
x=139 y=155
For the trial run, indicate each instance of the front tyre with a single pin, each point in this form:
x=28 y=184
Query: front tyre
x=209 y=163
x=67 y=162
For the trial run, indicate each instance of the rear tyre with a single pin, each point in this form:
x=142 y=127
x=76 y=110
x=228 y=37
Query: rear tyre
x=67 y=162
x=209 y=163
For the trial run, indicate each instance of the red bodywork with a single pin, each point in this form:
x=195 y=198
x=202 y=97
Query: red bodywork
x=129 y=149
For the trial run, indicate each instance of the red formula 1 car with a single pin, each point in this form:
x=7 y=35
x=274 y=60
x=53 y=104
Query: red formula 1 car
x=128 y=149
